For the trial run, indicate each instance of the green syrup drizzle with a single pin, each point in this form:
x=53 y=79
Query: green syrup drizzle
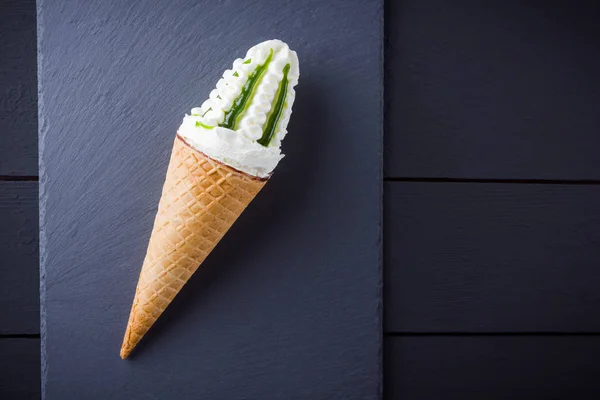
x=242 y=102
x=276 y=111
x=201 y=125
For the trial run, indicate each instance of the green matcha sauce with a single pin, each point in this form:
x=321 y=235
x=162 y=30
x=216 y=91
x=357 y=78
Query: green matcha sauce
x=242 y=102
x=201 y=125
x=276 y=111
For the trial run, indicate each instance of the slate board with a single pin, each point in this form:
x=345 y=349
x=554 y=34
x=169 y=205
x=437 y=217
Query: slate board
x=288 y=305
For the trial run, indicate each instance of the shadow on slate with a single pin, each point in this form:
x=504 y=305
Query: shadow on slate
x=287 y=306
x=277 y=205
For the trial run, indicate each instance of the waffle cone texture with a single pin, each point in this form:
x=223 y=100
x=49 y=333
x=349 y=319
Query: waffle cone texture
x=201 y=199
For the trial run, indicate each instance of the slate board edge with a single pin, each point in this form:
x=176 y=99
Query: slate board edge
x=380 y=176
x=42 y=131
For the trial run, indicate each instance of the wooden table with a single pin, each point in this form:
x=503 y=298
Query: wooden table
x=491 y=201
x=19 y=279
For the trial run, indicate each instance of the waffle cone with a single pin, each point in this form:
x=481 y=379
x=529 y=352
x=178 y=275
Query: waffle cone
x=201 y=199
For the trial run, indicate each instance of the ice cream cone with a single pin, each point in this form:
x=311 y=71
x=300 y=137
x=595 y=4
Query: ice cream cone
x=223 y=155
x=201 y=199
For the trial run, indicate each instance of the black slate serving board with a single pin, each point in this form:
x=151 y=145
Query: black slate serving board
x=288 y=305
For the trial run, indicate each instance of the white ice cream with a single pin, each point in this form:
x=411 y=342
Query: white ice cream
x=245 y=118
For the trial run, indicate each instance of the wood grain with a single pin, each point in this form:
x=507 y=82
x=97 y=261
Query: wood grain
x=20 y=369
x=18 y=88
x=19 y=285
x=504 y=90
x=559 y=368
x=464 y=257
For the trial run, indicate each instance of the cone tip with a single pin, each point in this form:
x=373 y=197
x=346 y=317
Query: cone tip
x=125 y=350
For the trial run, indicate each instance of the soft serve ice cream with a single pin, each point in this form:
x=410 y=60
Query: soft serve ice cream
x=245 y=118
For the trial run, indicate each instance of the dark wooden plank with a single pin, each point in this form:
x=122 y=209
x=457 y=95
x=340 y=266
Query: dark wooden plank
x=20 y=369
x=293 y=311
x=18 y=88
x=503 y=89
x=464 y=368
x=19 y=284
x=492 y=257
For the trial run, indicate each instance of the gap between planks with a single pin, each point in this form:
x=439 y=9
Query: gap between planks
x=20 y=336
x=26 y=178
x=507 y=181
x=491 y=334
